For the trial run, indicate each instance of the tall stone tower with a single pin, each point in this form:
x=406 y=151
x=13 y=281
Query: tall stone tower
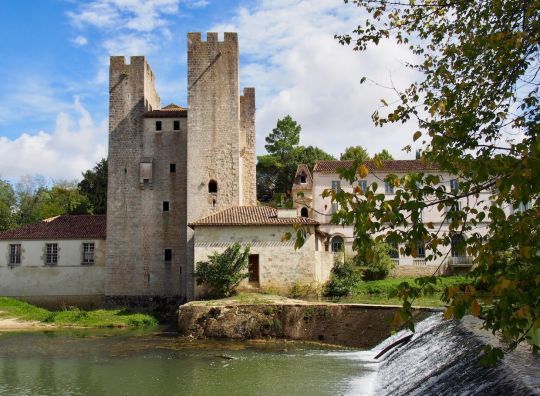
x=221 y=130
x=171 y=165
x=146 y=210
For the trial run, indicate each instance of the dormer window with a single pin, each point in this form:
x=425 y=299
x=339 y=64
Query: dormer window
x=212 y=186
x=303 y=178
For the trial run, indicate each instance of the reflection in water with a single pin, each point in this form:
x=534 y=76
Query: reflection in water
x=440 y=359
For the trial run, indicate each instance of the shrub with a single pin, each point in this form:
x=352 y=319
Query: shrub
x=378 y=264
x=222 y=273
x=343 y=279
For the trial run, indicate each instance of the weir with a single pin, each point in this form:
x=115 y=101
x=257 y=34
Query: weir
x=442 y=358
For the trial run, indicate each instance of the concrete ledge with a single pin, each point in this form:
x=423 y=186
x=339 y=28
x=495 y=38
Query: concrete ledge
x=354 y=325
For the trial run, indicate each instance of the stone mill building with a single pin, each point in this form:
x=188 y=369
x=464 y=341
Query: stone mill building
x=181 y=186
x=170 y=165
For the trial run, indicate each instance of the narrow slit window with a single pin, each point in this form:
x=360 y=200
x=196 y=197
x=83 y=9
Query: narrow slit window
x=176 y=125
x=158 y=125
x=212 y=186
x=165 y=206
x=168 y=255
x=172 y=168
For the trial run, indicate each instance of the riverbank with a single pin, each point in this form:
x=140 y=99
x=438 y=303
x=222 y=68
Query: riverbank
x=259 y=316
x=20 y=315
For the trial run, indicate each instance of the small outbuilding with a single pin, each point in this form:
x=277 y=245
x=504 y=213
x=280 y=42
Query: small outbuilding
x=274 y=263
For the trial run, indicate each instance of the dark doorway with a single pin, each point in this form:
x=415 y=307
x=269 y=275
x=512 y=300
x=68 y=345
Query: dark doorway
x=253 y=268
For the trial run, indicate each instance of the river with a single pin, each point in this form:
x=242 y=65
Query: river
x=441 y=359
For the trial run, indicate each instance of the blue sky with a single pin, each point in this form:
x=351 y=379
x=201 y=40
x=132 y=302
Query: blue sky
x=53 y=85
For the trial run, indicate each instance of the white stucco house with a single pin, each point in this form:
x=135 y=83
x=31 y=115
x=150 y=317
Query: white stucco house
x=309 y=186
x=57 y=260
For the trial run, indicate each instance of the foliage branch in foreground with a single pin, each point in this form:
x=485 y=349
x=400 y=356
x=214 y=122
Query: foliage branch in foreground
x=476 y=107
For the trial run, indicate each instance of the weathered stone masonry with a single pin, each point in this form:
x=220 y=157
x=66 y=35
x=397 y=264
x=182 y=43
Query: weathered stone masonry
x=215 y=141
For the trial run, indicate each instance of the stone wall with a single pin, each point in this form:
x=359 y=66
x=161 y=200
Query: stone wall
x=354 y=325
x=280 y=265
x=137 y=229
x=247 y=144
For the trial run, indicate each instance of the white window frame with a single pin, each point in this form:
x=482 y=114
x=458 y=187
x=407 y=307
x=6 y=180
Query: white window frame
x=336 y=185
x=454 y=185
x=15 y=251
x=51 y=254
x=363 y=185
x=388 y=188
x=88 y=253
x=338 y=246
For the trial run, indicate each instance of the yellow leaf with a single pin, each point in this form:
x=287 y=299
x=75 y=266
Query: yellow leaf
x=363 y=171
x=475 y=308
x=525 y=251
x=417 y=135
x=449 y=312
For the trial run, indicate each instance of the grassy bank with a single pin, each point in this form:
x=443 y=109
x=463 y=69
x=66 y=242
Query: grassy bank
x=12 y=308
x=384 y=291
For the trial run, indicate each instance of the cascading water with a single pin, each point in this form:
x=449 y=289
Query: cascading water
x=442 y=359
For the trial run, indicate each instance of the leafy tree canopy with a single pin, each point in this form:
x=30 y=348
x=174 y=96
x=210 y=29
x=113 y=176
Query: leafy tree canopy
x=275 y=171
x=476 y=106
x=94 y=186
x=284 y=138
x=384 y=155
x=7 y=205
x=355 y=153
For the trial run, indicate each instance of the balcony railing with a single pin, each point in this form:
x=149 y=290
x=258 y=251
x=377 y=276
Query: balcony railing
x=395 y=261
x=460 y=261
x=419 y=261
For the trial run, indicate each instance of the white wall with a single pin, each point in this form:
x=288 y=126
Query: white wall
x=69 y=278
x=280 y=265
x=322 y=208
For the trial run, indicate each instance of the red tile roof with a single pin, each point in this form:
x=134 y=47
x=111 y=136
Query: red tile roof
x=332 y=166
x=249 y=216
x=61 y=227
x=170 y=111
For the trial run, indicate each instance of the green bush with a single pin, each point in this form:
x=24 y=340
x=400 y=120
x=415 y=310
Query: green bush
x=222 y=273
x=378 y=263
x=344 y=278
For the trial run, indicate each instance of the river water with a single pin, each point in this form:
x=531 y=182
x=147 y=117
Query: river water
x=441 y=359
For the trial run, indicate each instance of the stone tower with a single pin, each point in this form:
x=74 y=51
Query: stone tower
x=146 y=211
x=221 y=130
x=169 y=166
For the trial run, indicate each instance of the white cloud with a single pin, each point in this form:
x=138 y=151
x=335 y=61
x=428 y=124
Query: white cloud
x=196 y=3
x=298 y=68
x=79 y=41
x=73 y=147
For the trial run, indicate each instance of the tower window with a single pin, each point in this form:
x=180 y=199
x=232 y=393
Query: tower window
x=212 y=186
x=158 y=125
x=176 y=125
x=165 y=206
x=168 y=255
x=304 y=212
x=172 y=168
x=303 y=178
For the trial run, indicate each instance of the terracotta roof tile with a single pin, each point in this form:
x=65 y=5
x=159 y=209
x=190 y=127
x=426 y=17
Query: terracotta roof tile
x=170 y=111
x=61 y=227
x=388 y=166
x=249 y=215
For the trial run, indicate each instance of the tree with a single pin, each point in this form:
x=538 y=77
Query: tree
x=223 y=271
x=384 y=155
x=355 y=153
x=63 y=198
x=275 y=171
x=284 y=138
x=476 y=106
x=7 y=206
x=94 y=186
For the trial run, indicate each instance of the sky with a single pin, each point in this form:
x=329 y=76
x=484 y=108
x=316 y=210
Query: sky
x=54 y=73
